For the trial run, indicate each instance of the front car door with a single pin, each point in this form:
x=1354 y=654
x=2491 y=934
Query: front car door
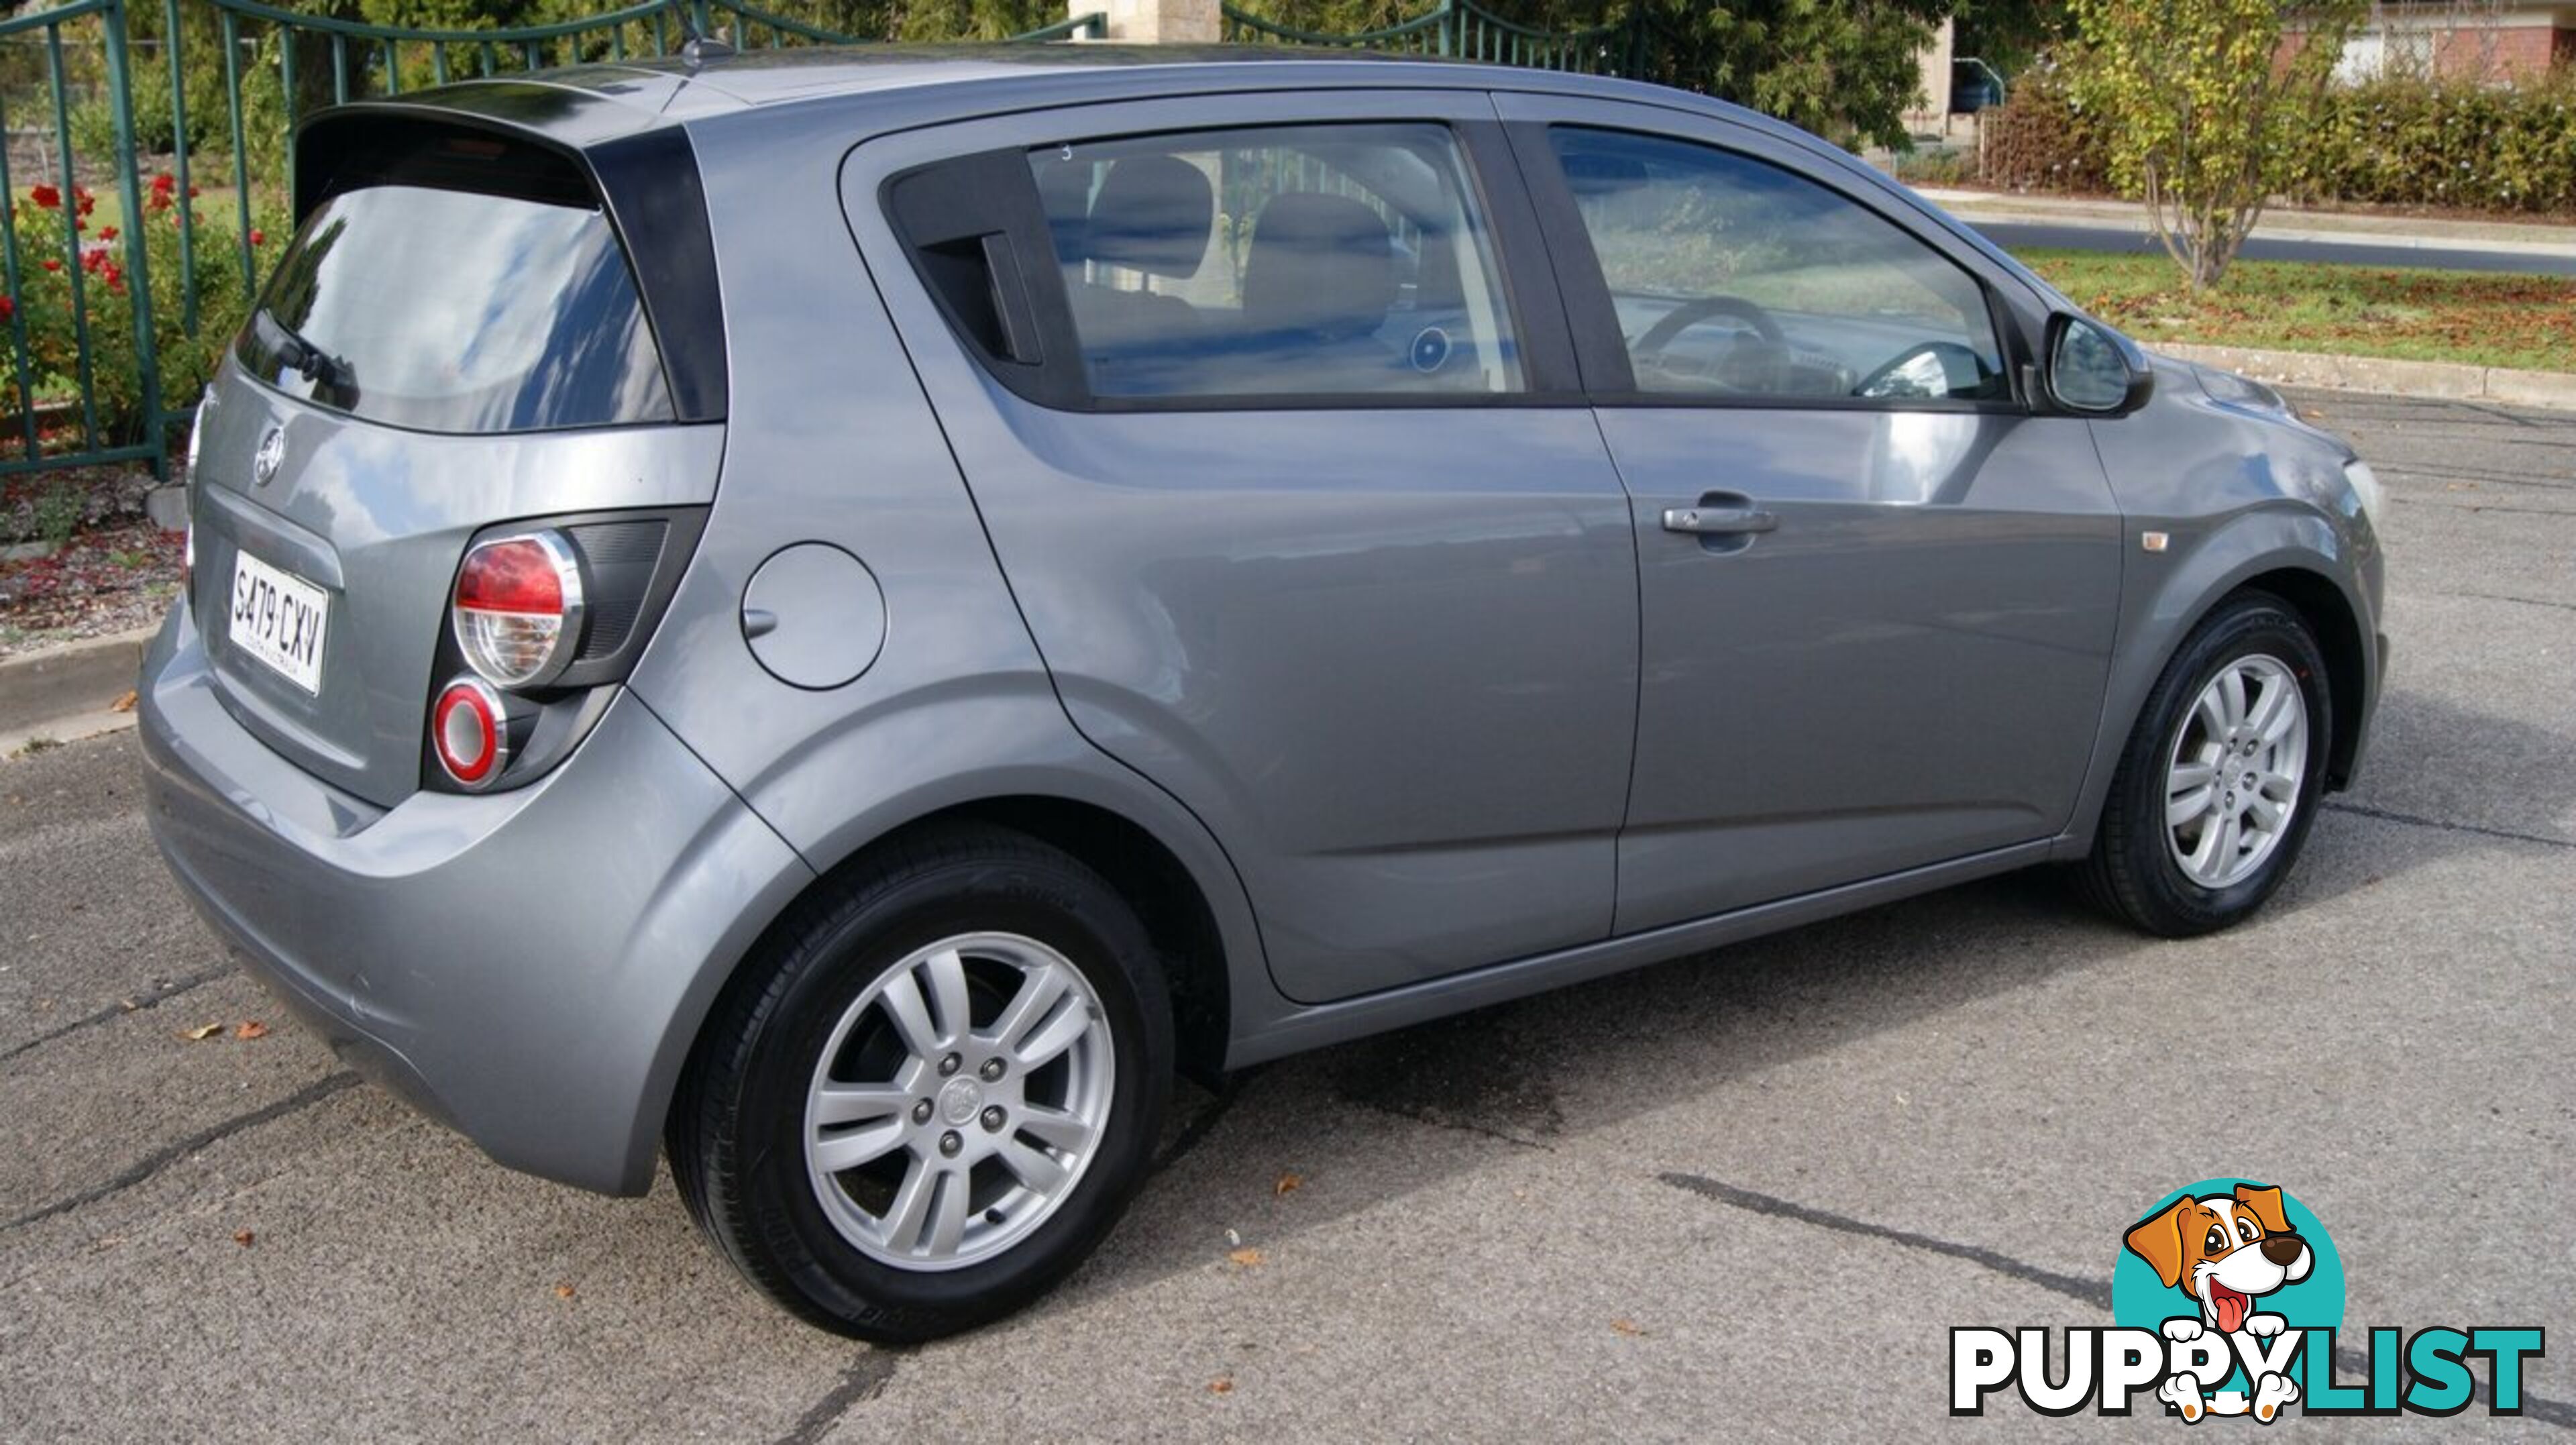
x=1878 y=591
x=1297 y=492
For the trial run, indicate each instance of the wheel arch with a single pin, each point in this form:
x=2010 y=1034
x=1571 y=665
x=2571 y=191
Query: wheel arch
x=2293 y=554
x=1157 y=884
x=1199 y=930
x=2329 y=615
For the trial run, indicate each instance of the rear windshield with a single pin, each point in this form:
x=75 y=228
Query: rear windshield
x=459 y=311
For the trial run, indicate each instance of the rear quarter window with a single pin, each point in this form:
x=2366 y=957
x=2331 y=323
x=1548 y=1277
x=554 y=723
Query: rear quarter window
x=411 y=299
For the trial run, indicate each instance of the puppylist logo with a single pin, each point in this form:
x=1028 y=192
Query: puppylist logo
x=2226 y=1302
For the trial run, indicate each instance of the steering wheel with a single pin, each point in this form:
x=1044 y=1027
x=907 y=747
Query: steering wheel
x=1925 y=370
x=1649 y=348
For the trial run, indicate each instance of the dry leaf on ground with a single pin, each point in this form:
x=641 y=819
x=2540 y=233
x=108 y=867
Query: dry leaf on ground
x=1288 y=1184
x=244 y=1238
x=201 y=1032
x=1627 y=1327
x=123 y=704
x=563 y=1289
x=1244 y=1258
x=1221 y=1385
x=251 y=1029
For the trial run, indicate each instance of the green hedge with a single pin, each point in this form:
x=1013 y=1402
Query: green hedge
x=2414 y=143
x=2389 y=142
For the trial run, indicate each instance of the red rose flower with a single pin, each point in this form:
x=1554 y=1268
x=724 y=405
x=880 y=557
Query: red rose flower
x=164 y=181
x=192 y=193
x=256 y=238
x=8 y=308
x=107 y=233
x=52 y=265
x=46 y=196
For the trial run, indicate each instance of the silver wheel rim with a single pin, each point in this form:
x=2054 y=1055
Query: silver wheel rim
x=2232 y=781
x=959 y=1101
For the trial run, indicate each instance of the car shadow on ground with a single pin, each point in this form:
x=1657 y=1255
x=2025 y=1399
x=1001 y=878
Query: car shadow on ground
x=1686 y=1028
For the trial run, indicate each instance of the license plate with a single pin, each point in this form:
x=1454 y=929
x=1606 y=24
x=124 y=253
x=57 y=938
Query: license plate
x=279 y=618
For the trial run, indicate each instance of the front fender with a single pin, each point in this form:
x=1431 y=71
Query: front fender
x=2165 y=595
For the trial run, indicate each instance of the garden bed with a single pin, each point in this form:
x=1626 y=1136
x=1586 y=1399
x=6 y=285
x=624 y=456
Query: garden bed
x=116 y=572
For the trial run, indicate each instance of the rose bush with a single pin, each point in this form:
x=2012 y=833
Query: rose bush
x=52 y=259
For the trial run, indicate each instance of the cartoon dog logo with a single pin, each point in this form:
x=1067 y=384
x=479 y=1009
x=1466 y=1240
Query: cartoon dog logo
x=2224 y=1252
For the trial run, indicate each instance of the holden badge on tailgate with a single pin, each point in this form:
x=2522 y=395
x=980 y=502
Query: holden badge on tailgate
x=272 y=450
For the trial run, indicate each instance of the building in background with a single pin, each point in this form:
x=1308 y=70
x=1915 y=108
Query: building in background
x=2496 y=41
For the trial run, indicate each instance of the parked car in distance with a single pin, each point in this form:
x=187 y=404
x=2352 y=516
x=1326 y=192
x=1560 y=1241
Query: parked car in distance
x=844 y=617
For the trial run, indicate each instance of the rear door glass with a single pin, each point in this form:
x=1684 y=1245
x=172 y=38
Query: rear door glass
x=1316 y=260
x=459 y=311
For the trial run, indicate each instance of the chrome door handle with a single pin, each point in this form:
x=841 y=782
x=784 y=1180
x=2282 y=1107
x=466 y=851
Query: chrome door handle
x=1718 y=521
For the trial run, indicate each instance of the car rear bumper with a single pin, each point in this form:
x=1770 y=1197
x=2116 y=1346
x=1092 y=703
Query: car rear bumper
x=528 y=966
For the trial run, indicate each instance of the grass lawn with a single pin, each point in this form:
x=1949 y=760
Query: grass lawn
x=2482 y=318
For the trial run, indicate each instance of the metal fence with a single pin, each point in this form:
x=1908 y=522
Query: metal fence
x=110 y=324
x=62 y=34
x=1469 y=31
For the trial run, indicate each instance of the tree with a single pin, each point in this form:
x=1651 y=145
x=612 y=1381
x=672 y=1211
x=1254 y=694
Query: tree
x=2203 y=104
x=1845 y=69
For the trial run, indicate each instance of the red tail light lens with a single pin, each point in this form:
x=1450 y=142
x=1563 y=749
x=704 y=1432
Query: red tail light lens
x=518 y=609
x=469 y=730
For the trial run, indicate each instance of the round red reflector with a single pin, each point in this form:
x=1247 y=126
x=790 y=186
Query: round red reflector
x=466 y=732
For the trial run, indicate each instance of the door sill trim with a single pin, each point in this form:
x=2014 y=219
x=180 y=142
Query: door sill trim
x=1315 y=1025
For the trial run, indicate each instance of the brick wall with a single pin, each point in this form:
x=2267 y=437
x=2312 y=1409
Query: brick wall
x=2470 y=52
x=2499 y=53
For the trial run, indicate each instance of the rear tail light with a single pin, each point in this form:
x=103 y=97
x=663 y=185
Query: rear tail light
x=545 y=618
x=469 y=729
x=518 y=609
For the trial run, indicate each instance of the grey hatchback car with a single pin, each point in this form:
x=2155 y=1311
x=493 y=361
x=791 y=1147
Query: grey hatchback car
x=844 y=617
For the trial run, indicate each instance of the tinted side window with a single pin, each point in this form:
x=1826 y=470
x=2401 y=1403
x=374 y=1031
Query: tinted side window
x=1733 y=277
x=459 y=311
x=1284 y=261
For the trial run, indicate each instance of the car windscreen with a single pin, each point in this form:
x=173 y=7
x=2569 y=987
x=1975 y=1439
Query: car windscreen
x=450 y=310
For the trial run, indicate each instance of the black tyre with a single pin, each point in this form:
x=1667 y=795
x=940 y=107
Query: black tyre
x=2219 y=782
x=934 y=1092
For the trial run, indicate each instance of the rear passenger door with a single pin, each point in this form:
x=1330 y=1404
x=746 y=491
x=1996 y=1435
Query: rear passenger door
x=1276 y=434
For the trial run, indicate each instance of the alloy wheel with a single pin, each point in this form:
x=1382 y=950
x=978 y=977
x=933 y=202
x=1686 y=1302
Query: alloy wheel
x=2232 y=781
x=958 y=1101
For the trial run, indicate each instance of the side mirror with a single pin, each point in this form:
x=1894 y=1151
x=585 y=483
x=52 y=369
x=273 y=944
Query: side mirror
x=2093 y=370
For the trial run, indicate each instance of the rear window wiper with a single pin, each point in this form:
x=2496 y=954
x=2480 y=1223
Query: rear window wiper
x=290 y=347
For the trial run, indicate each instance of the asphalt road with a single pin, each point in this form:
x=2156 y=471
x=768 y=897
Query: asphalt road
x=1739 y=1195
x=2017 y=235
